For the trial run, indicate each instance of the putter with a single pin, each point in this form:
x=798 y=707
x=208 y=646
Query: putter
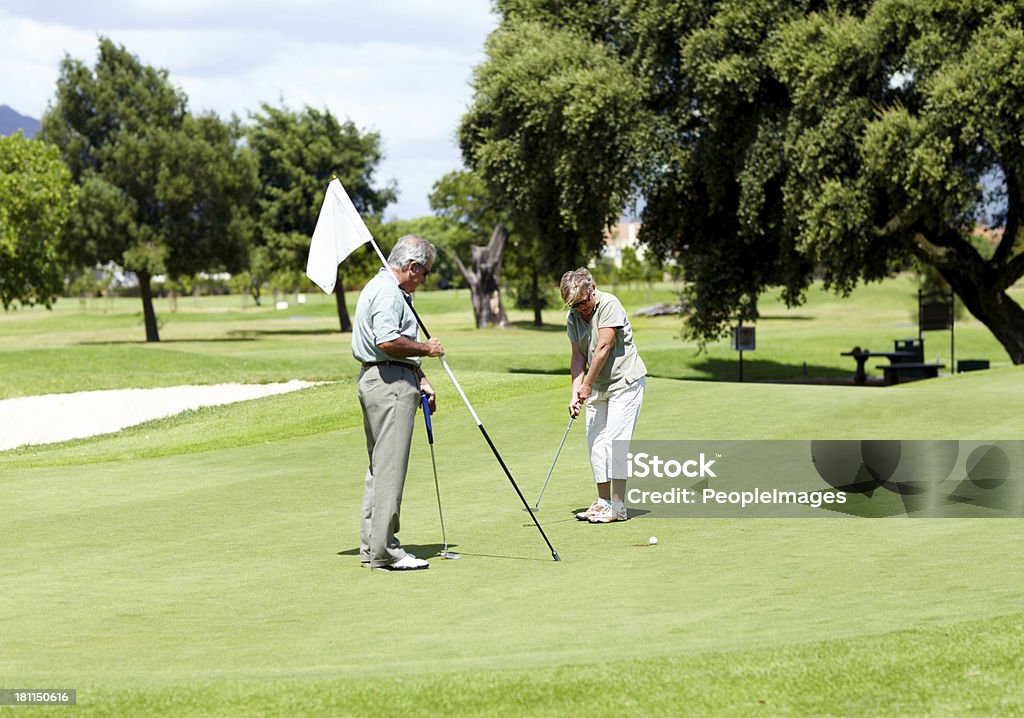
x=536 y=505
x=433 y=462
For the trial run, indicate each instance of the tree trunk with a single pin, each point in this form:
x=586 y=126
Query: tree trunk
x=484 y=280
x=980 y=284
x=254 y=291
x=535 y=298
x=152 y=334
x=339 y=297
x=995 y=309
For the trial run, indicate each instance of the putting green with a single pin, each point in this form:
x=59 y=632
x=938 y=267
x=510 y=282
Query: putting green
x=206 y=564
x=235 y=567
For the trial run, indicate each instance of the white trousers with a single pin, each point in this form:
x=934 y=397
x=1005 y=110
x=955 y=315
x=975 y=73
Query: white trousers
x=612 y=417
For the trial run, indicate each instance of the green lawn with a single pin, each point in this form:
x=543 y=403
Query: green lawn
x=206 y=564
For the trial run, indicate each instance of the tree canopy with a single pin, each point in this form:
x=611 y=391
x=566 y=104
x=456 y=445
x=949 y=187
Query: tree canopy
x=786 y=140
x=36 y=197
x=299 y=153
x=556 y=131
x=161 y=191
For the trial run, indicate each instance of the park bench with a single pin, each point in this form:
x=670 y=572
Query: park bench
x=910 y=371
x=906 y=362
x=914 y=345
x=904 y=351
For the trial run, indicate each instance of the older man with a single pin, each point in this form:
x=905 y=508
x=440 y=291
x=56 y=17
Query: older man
x=386 y=340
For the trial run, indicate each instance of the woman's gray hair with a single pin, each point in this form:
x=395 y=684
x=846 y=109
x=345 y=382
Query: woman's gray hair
x=576 y=284
x=412 y=249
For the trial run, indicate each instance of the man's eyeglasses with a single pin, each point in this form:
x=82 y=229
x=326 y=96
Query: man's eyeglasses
x=421 y=268
x=581 y=302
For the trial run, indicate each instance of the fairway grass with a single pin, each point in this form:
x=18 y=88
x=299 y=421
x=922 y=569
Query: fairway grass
x=970 y=668
x=207 y=565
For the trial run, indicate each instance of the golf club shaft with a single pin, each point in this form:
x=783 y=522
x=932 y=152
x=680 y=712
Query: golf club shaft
x=433 y=463
x=554 y=554
x=554 y=461
x=437 y=490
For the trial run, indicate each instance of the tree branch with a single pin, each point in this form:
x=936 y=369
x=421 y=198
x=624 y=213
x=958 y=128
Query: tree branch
x=1013 y=212
x=1012 y=271
x=900 y=222
x=462 y=268
x=498 y=238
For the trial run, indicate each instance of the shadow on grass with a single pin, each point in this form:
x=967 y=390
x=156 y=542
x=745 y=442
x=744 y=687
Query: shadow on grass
x=715 y=369
x=510 y=558
x=253 y=333
x=630 y=513
x=729 y=370
x=754 y=370
x=552 y=516
x=562 y=371
x=431 y=550
x=206 y=340
x=530 y=326
x=423 y=550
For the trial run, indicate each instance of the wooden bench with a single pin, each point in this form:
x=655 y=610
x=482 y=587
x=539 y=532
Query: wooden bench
x=914 y=344
x=910 y=371
x=894 y=357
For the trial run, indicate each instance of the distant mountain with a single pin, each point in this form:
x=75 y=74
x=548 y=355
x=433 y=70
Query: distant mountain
x=11 y=122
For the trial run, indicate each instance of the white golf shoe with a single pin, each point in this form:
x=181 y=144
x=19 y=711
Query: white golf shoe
x=611 y=512
x=406 y=563
x=595 y=508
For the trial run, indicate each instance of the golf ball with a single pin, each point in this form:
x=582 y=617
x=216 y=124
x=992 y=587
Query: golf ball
x=652 y=540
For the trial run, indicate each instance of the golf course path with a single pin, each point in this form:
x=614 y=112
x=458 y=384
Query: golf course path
x=59 y=417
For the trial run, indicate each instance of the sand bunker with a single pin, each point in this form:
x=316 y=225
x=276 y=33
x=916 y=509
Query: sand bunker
x=59 y=417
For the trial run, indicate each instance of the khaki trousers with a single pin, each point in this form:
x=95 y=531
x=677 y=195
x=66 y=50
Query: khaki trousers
x=389 y=396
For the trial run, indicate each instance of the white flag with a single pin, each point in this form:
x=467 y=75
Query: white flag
x=339 y=231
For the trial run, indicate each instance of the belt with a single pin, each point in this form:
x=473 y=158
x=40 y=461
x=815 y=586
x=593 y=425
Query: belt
x=400 y=364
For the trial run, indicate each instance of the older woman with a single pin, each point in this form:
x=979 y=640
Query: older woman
x=609 y=377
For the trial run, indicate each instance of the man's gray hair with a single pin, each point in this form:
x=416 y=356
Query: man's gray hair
x=412 y=249
x=576 y=285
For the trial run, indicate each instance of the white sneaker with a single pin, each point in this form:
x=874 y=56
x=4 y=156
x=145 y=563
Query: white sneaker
x=406 y=563
x=595 y=508
x=611 y=512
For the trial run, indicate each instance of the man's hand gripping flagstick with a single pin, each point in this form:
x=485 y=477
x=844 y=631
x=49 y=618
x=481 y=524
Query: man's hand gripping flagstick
x=339 y=231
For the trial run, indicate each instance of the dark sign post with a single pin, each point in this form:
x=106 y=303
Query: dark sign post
x=743 y=339
x=935 y=313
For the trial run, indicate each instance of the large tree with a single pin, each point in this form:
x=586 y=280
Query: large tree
x=792 y=139
x=299 y=153
x=36 y=197
x=161 y=191
x=892 y=141
x=538 y=133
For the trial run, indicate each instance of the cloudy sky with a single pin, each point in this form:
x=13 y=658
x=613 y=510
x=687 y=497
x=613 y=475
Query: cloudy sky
x=398 y=67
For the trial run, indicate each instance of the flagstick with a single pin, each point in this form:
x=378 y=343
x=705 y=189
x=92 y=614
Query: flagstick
x=383 y=259
x=465 y=400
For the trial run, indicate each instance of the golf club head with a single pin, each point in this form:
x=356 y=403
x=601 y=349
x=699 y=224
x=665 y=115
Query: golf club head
x=449 y=555
x=534 y=509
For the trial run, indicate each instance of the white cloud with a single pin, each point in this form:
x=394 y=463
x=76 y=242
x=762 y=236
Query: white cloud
x=398 y=67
